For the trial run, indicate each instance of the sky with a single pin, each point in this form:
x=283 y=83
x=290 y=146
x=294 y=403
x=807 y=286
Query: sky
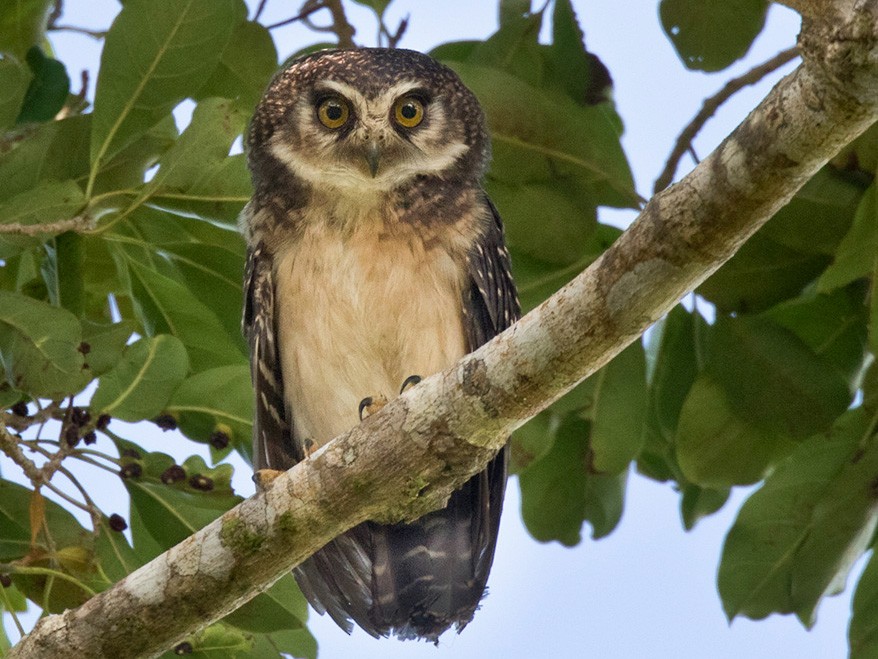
x=649 y=589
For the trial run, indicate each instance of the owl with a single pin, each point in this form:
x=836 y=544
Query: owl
x=374 y=258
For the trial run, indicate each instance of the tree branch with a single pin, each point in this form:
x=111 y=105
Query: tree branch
x=407 y=458
x=709 y=108
x=79 y=224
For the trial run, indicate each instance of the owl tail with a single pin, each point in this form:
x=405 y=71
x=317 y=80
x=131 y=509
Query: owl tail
x=412 y=580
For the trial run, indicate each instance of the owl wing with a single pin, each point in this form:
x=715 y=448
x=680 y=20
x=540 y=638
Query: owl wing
x=431 y=574
x=273 y=444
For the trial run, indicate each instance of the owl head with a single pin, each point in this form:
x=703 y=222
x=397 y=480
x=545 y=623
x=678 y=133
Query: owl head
x=369 y=119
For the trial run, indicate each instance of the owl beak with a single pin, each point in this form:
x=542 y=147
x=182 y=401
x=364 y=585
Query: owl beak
x=373 y=157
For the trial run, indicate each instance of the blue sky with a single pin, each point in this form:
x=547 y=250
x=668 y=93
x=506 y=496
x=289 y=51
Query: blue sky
x=649 y=589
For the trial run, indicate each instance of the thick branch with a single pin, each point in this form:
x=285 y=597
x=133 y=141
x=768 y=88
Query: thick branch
x=407 y=458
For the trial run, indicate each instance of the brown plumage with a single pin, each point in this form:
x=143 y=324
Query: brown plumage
x=374 y=255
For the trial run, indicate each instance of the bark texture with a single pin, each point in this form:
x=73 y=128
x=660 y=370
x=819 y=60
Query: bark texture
x=405 y=460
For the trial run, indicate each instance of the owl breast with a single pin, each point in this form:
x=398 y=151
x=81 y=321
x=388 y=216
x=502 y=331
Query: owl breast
x=360 y=311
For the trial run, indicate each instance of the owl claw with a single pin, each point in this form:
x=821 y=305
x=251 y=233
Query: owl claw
x=371 y=404
x=264 y=478
x=410 y=382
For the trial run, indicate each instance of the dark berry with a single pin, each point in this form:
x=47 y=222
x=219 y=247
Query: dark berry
x=5 y=580
x=20 y=408
x=84 y=348
x=184 y=648
x=103 y=421
x=79 y=416
x=131 y=453
x=173 y=474
x=203 y=483
x=219 y=440
x=118 y=523
x=165 y=422
x=131 y=470
x=90 y=437
x=71 y=435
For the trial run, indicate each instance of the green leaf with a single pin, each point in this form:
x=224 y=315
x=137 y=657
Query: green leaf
x=618 y=411
x=676 y=352
x=196 y=175
x=142 y=383
x=297 y=643
x=862 y=632
x=60 y=544
x=699 y=502
x=567 y=222
x=39 y=347
x=15 y=531
x=14 y=81
x=544 y=132
x=761 y=274
x=246 y=66
x=537 y=279
x=54 y=151
x=796 y=538
x=156 y=53
x=23 y=24
x=558 y=492
x=717 y=447
x=105 y=344
x=207 y=257
x=856 y=255
x=279 y=608
x=711 y=34
x=166 y=306
x=819 y=215
x=116 y=557
x=48 y=88
x=49 y=202
x=579 y=72
x=772 y=378
x=832 y=326
x=219 y=398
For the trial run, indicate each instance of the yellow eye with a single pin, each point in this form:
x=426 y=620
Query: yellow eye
x=408 y=111
x=333 y=112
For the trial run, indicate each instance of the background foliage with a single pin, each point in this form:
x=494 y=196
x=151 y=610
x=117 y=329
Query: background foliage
x=120 y=297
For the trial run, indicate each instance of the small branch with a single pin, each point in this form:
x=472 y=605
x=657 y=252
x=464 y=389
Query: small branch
x=711 y=105
x=11 y=447
x=392 y=39
x=259 y=9
x=79 y=224
x=94 y=34
x=308 y=8
x=340 y=24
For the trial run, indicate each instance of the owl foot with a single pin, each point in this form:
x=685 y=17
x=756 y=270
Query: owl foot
x=264 y=478
x=371 y=404
x=410 y=382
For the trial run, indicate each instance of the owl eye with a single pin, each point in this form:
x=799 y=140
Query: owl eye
x=408 y=111
x=333 y=112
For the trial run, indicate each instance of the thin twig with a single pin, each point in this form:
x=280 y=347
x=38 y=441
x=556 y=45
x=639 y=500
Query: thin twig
x=392 y=38
x=259 y=9
x=10 y=446
x=94 y=34
x=340 y=24
x=684 y=141
x=307 y=9
x=80 y=223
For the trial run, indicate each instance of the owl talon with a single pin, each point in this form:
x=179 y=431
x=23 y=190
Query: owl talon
x=264 y=478
x=371 y=404
x=410 y=382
